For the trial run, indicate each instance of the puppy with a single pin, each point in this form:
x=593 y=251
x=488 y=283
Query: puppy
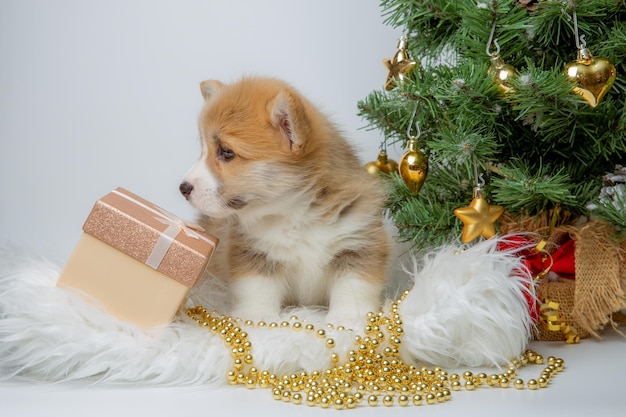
x=299 y=219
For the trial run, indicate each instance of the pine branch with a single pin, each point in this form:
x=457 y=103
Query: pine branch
x=521 y=189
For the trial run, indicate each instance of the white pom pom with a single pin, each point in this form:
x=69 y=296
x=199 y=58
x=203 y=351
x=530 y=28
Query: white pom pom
x=467 y=307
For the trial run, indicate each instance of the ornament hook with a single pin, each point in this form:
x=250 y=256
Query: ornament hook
x=418 y=131
x=417 y=126
x=480 y=182
x=493 y=42
x=580 y=39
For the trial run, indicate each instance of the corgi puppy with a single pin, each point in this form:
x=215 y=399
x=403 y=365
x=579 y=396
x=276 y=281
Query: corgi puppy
x=299 y=219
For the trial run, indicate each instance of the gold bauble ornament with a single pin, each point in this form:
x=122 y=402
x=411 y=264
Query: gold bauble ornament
x=399 y=66
x=382 y=164
x=594 y=75
x=478 y=218
x=413 y=167
x=502 y=73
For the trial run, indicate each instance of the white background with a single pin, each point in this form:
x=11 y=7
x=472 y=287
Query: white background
x=102 y=94
x=96 y=95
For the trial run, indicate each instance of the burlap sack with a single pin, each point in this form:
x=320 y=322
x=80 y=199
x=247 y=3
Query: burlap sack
x=588 y=302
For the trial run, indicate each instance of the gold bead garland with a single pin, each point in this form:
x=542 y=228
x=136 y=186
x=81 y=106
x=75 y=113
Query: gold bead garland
x=372 y=372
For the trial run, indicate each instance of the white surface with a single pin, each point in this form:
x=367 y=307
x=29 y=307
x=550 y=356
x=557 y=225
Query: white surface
x=591 y=384
x=96 y=95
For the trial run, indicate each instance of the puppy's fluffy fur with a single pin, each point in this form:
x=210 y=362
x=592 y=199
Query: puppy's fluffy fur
x=299 y=219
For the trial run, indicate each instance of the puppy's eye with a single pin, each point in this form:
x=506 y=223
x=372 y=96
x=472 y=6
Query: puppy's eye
x=224 y=154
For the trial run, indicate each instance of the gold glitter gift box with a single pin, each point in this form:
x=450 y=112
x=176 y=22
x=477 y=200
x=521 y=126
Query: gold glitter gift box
x=136 y=260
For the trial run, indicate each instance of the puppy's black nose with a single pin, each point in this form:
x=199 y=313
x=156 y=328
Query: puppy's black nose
x=185 y=189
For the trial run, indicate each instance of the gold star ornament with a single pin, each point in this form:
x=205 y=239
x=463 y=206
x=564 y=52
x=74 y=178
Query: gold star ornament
x=400 y=66
x=478 y=218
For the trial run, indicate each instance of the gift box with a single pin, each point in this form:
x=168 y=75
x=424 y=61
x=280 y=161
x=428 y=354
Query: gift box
x=136 y=260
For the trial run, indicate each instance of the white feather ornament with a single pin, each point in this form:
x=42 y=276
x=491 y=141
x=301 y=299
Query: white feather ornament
x=467 y=307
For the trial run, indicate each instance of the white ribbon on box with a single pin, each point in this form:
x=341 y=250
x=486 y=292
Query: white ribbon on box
x=175 y=225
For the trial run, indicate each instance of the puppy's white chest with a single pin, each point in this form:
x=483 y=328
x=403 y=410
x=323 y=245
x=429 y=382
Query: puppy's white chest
x=305 y=254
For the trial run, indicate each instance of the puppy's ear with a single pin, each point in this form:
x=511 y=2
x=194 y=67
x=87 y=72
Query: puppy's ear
x=287 y=114
x=208 y=88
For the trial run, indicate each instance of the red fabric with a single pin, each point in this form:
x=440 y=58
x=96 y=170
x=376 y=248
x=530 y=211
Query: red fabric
x=561 y=262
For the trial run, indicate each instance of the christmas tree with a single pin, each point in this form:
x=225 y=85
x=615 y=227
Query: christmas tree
x=516 y=106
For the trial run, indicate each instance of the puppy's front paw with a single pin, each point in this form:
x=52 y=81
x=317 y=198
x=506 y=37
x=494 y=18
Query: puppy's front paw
x=350 y=301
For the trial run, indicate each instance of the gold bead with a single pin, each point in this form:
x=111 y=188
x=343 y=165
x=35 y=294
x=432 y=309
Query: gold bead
x=418 y=399
x=310 y=400
x=538 y=360
x=469 y=385
x=543 y=382
x=350 y=402
x=297 y=326
x=330 y=343
x=339 y=404
x=387 y=400
x=334 y=358
x=518 y=383
x=372 y=400
x=309 y=327
x=467 y=375
x=431 y=399
x=532 y=384
x=324 y=402
x=285 y=324
x=297 y=398
x=277 y=394
x=273 y=325
x=454 y=377
x=403 y=400
x=504 y=382
x=261 y=324
x=455 y=385
x=447 y=394
x=493 y=380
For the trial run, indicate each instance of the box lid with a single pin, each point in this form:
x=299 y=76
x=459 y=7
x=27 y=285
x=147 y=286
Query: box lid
x=151 y=235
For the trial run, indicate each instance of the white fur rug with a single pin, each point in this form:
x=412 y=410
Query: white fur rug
x=467 y=307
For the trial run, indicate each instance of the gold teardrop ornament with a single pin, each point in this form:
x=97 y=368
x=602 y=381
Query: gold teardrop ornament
x=594 y=75
x=382 y=164
x=413 y=167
